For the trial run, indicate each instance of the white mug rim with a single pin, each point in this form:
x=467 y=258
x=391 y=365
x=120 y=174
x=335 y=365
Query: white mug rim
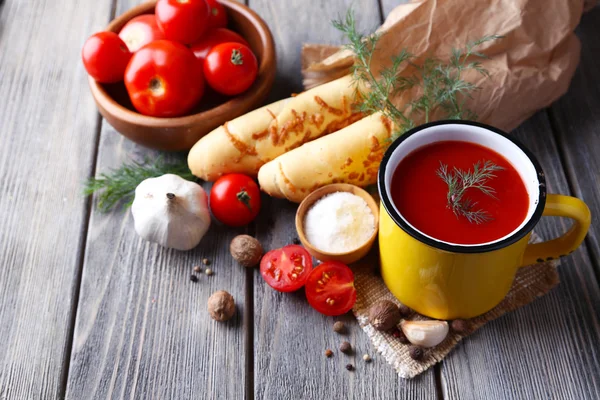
x=527 y=225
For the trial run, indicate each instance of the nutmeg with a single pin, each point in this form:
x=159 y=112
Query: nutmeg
x=384 y=315
x=221 y=306
x=246 y=250
x=416 y=353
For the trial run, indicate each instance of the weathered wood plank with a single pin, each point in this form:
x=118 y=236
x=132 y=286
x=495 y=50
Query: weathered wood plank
x=577 y=121
x=289 y=336
x=142 y=327
x=549 y=349
x=48 y=124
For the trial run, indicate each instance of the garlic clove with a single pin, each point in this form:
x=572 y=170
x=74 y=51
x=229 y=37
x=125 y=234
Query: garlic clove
x=425 y=333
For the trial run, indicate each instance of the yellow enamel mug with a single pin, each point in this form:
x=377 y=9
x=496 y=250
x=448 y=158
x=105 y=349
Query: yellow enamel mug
x=445 y=280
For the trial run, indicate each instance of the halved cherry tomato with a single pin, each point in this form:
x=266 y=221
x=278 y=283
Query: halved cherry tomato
x=218 y=15
x=330 y=288
x=140 y=31
x=105 y=57
x=184 y=21
x=286 y=269
x=235 y=199
x=213 y=38
x=164 y=79
x=230 y=68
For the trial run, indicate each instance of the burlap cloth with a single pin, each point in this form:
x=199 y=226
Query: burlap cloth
x=530 y=283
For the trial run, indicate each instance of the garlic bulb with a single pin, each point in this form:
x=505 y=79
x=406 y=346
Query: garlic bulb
x=425 y=333
x=171 y=211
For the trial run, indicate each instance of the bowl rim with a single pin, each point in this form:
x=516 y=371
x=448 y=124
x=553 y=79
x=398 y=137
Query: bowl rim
x=136 y=118
x=323 y=191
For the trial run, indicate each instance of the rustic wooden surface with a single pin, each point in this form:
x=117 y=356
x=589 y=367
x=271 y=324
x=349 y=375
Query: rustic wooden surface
x=88 y=310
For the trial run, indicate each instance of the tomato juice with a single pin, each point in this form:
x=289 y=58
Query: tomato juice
x=421 y=195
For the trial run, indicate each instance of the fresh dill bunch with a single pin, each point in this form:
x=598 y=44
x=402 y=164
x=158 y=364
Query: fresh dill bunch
x=440 y=83
x=459 y=181
x=119 y=184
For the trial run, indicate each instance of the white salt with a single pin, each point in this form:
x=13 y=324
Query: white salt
x=339 y=222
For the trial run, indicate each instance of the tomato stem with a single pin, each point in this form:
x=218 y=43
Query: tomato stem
x=245 y=198
x=236 y=57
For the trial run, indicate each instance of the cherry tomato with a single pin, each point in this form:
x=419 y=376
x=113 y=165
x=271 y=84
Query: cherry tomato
x=230 y=68
x=330 y=288
x=164 y=79
x=235 y=199
x=105 y=57
x=286 y=269
x=184 y=21
x=140 y=31
x=213 y=38
x=218 y=15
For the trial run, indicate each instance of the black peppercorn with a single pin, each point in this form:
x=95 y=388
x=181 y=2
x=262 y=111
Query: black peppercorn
x=459 y=326
x=339 y=327
x=193 y=278
x=349 y=367
x=405 y=311
x=296 y=241
x=416 y=353
x=345 y=347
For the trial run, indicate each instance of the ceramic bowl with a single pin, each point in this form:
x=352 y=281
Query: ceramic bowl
x=181 y=133
x=347 y=257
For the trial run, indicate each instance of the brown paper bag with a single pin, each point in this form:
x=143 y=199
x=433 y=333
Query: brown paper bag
x=530 y=67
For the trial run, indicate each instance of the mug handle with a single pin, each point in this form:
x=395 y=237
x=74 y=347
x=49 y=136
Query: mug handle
x=558 y=205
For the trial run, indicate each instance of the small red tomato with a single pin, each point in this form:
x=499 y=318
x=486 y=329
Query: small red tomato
x=105 y=57
x=235 y=199
x=184 y=21
x=213 y=38
x=218 y=15
x=230 y=68
x=286 y=269
x=330 y=288
x=164 y=79
x=140 y=31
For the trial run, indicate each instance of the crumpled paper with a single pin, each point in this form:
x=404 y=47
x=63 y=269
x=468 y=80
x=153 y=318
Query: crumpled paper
x=530 y=67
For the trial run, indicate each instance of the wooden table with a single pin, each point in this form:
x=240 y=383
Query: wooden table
x=88 y=310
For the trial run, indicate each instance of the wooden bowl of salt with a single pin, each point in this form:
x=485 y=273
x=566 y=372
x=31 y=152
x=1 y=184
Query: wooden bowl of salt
x=346 y=256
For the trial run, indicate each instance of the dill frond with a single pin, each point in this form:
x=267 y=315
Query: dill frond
x=119 y=184
x=440 y=83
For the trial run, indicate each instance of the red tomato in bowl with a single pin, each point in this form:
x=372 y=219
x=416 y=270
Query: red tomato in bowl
x=218 y=15
x=213 y=38
x=140 y=31
x=184 y=21
x=235 y=199
x=286 y=269
x=164 y=79
x=230 y=68
x=330 y=288
x=105 y=57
